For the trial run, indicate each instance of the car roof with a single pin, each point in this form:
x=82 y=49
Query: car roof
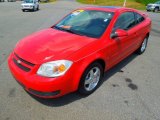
x=107 y=8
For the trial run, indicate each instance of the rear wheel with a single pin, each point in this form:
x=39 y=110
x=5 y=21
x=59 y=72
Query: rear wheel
x=90 y=79
x=23 y=10
x=143 y=46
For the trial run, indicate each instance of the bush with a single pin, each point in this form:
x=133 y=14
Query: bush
x=146 y=1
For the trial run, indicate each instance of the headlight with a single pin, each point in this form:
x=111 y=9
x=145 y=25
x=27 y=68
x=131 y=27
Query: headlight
x=54 y=68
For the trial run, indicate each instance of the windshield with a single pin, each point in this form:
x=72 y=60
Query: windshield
x=89 y=23
x=28 y=1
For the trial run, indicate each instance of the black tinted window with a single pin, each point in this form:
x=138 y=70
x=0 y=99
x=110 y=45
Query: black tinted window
x=139 y=18
x=125 y=21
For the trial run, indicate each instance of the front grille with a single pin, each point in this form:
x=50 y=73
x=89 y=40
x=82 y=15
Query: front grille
x=26 y=5
x=22 y=64
x=44 y=94
x=26 y=62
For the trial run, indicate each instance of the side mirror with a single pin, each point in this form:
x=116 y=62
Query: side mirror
x=119 y=33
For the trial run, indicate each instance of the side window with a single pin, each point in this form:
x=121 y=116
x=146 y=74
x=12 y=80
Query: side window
x=125 y=21
x=139 y=18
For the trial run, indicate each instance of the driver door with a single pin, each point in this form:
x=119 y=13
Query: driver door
x=121 y=47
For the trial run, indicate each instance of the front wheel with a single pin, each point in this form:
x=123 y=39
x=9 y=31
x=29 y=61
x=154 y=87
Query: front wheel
x=37 y=8
x=156 y=10
x=90 y=79
x=143 y=46
x=33 y=9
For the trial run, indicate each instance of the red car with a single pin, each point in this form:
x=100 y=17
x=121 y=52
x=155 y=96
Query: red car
x=73 y=54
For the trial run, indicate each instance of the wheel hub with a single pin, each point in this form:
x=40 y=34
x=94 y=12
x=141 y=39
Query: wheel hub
x=92 y=79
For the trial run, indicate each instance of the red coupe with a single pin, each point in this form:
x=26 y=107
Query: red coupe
x=73 y=54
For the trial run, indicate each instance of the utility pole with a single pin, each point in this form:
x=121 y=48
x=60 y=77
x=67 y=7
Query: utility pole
x=124 y=4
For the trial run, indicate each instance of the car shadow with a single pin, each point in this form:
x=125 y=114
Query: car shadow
x=61 y=101
x=69 y=98
x=31 y=11
x=119 y=66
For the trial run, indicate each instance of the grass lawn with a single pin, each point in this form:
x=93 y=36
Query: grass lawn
x=49 y=1
x=130 y=3
x=52 y=0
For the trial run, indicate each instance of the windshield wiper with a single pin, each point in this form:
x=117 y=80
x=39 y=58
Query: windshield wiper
x=72 y=31
x=58 y=28
x=68 y=30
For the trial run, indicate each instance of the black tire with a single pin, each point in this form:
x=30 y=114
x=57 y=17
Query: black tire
x=33 y=9
x=156 y=9
x=37 y=8
x=23 y=10
x=82 y=89
x=141 y=50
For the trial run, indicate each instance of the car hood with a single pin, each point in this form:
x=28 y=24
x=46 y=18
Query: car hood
x=152 y=4
x=50 y=44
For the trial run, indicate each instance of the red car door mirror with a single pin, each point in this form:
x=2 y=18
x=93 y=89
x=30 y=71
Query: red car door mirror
x=119 y=33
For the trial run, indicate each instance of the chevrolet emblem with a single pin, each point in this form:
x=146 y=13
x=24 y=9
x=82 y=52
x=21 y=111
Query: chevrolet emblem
x=18 y=61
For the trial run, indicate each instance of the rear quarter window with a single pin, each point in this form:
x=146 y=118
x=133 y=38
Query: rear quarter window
x=139 y=18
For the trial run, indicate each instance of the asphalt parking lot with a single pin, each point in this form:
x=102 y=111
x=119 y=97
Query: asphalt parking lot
x=130 y=91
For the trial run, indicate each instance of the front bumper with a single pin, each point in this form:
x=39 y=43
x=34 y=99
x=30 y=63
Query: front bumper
x=39 y=85
x=27 y=8
x=150 y=8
